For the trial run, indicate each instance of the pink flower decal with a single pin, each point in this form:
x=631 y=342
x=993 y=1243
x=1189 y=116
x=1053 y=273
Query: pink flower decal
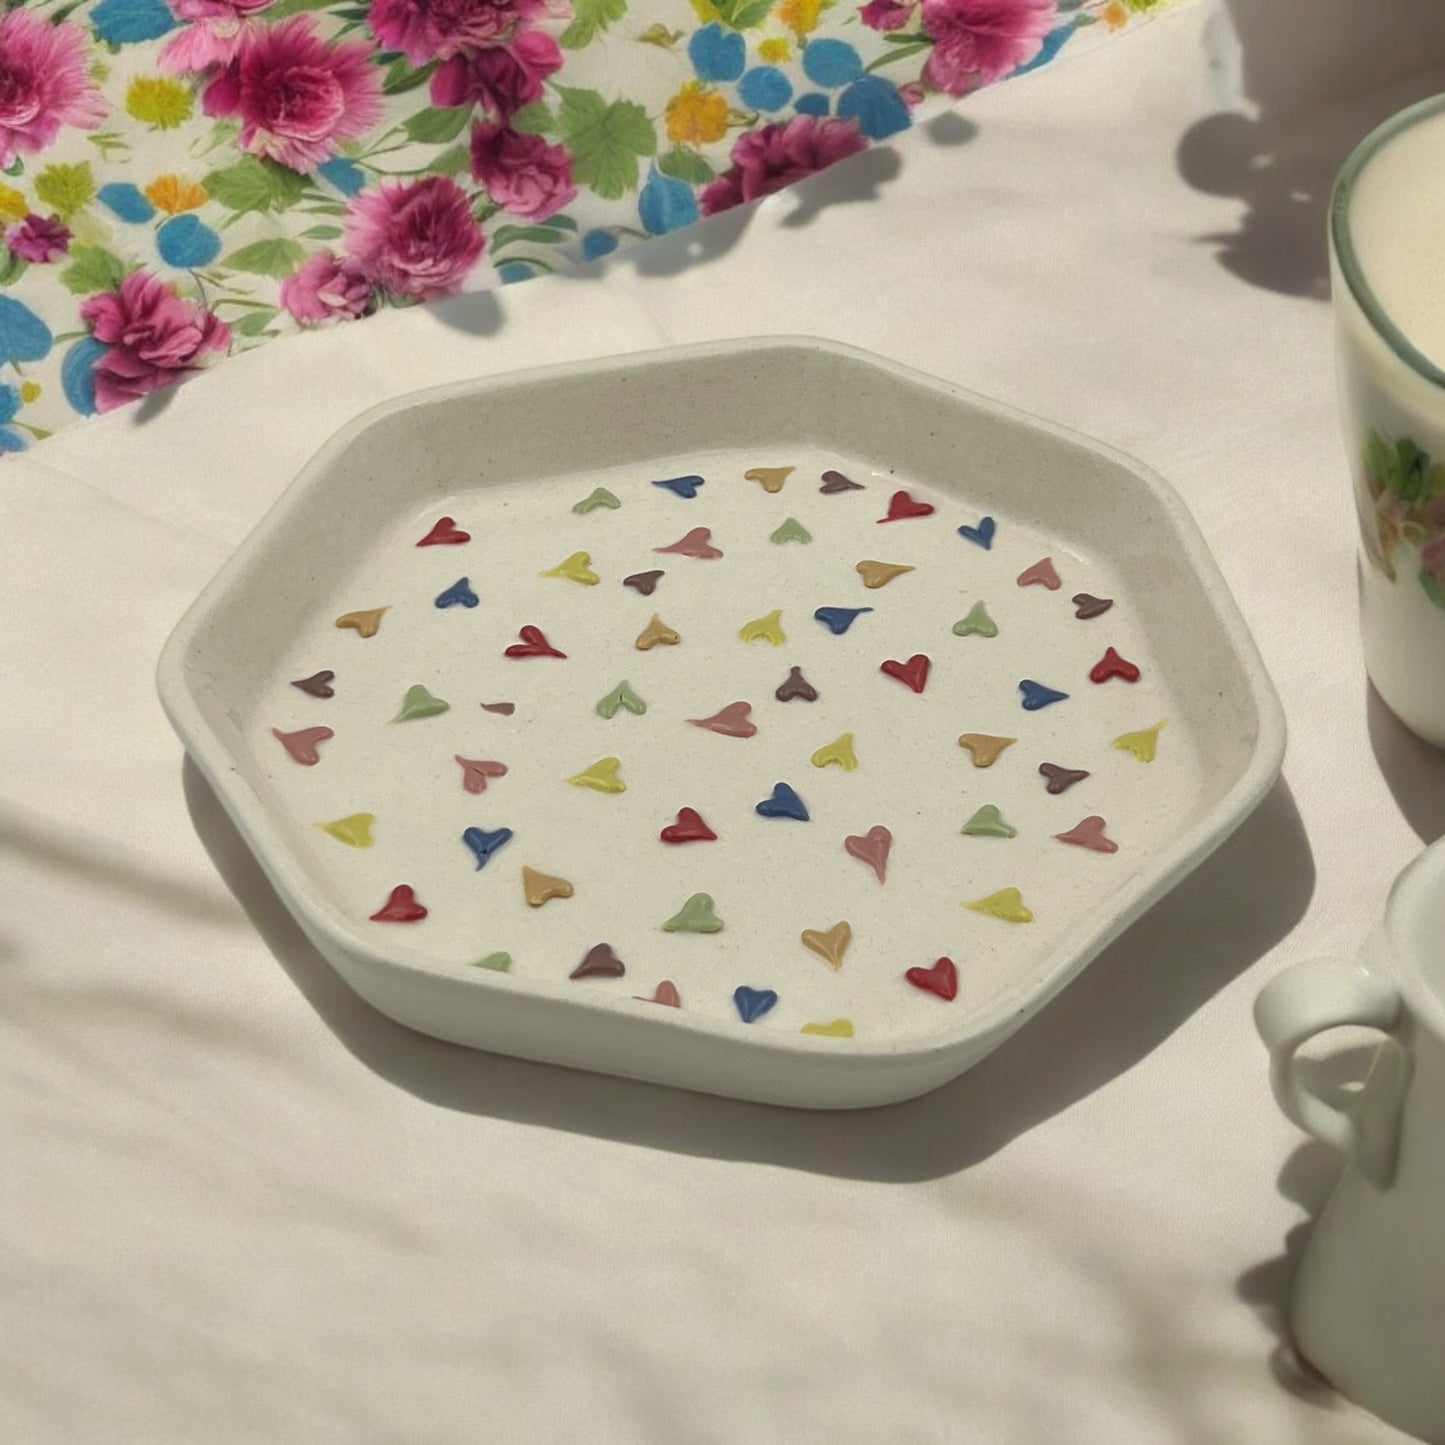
x=976 y=42
x=774 y=156
x=885 y=14
x=38 y=238
x=326 y=288
x=426 y=30
x=502 y=79
x=216 y=33
x=417 y=239
x=522 y=173
x=297 y=95
x=44 y=83
x=154 y=337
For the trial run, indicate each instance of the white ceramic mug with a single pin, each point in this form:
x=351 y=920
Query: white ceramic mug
x=1386 y=218
x=1368 y=1307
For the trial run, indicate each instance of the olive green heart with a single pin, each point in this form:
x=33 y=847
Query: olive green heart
x=977 y=622
x=621 y=696
x=600 y=498
x=791 y=531
x=498 y=962
x=989 y=823
x=695 y=916
x=418 y=702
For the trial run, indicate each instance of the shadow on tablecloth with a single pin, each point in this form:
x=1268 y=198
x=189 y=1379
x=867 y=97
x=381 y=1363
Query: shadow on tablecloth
x=1314 y=77
x=1232 y=910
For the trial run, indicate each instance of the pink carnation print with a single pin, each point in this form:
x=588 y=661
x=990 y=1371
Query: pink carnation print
x=522 y=173
x=976 y=42
x=154 y=337
x=44 y=84
x=885 y=14
x=39 y=238
x=425 y=30
x=417 y=239
x=216 y=32
x=774 y=156
x=296 y=95
x=327 y=288
x=501 y=79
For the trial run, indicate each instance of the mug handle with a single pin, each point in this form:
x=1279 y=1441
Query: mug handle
x=1329 y=993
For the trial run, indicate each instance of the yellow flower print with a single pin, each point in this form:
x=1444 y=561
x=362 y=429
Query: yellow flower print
x=172 y=194
x=29 y=391
x=162 y=103
x=13 y=206
x=800 y=16
x=1114 y=15
x=775 y=50
x=696 y=116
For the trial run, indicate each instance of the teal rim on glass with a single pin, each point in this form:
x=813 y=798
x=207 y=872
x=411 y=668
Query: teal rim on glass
x=1344 y=246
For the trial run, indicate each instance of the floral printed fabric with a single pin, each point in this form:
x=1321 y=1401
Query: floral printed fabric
x=183 y=179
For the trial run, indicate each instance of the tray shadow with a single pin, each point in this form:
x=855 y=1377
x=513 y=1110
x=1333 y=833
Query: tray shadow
x=1227 y=914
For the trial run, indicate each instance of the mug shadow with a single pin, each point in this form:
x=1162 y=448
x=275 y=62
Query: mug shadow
x=1307 y=1179
x=1318 y=75
x=1233 y=909
x=1413 y=770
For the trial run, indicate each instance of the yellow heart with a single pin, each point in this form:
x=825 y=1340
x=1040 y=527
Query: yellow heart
x=764 y=629
x=1143 y=743
x=880 y=574
x=365 y=622
x=772 y=478
x=354 y=830
x=1007 y=904
x=831 y=945
x=655 y=634
x=601 y=776
x=537 y=887
x=838 y=1029
x=984 y=748
x=839 y=751
x=577 y=568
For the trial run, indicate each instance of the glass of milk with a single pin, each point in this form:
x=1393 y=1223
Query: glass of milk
x=1387 y=262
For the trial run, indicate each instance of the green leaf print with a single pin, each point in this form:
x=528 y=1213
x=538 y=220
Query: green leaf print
x=92 y=269
x=276 y=256
x=1432 y=587
x=605 y=140
x=254 y=184
x=66 y=189
x=685 y=165
x=592 y=17
x=535 y=119
x=437 y=124
x=743 y=14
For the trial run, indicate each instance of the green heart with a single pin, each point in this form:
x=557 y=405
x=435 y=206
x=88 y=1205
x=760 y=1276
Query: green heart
x=988 y=823
x=695 y=916
x=498 y=962
x=791 y=531
x=978 y=621
x=418 y=702
x=621 y=696
x=600 y=498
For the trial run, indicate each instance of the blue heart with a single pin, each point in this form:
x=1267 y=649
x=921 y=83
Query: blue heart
x=683 y=486
x=484 y=844
x=753 y=1003
x=459 y=592
x=982 y=534
x=839 y=619
x=1036 y=695
x=23 y=335
x=784 y=803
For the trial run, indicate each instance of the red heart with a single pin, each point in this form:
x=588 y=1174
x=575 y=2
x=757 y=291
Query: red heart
x=400 y=907
x=941 y=978
x=689 y=828
x=902 y=506
x=914 y=672
x=533 y=644
x=446 y=533
x=1112 y=665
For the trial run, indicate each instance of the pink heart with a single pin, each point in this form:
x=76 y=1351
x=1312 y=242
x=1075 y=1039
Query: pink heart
x=731 y=721
x=302 y=743
x=666 y=994
x=901 y=506
x=871 y=848
x=476 y=771
x=694 y=544
x=1089 y=833
x=1041 y=574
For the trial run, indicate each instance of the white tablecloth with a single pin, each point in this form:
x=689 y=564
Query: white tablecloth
x=237 y=1205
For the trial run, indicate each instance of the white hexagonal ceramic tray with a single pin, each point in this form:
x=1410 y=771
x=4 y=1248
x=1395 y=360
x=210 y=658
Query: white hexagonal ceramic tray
x=508 y=461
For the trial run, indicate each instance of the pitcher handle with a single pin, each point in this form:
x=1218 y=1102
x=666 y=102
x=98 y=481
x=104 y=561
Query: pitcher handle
x=1328 y=993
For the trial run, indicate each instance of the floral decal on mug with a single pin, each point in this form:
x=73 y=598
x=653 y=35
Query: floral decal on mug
x=1402 y=504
